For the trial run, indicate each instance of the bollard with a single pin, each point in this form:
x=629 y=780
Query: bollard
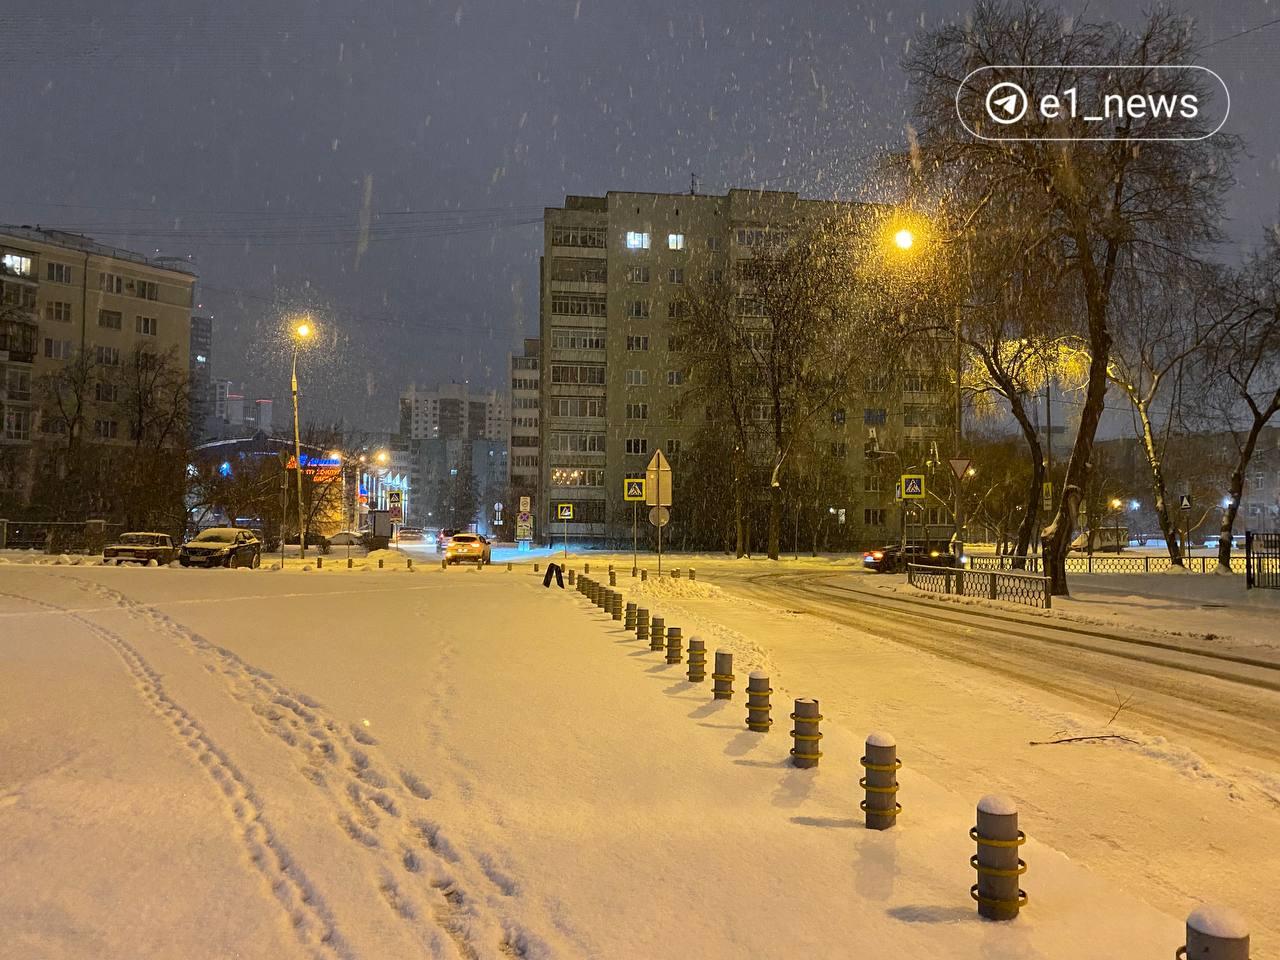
x=586 y=568
x=409 y=561
x=613 y=579
x=602 y=597
x=881 y=782
x=674 y=645
x=572 y=576
x=510 y=566
x=630 y=622
x=1215 y=933
x=380 y=563
x=657 y=633
x=642 y=624
x=348 y=563
x=805 y=753
x=998 y=839
x=644 y=575
x=611 y=568
x=722 y=688
x=675 y=573
x=758 y=691
x=444 y=564
x=697 y=660
x=693 y=574
x=319 y=563
x=634 y=572
x=535 y=569
x=615 y=599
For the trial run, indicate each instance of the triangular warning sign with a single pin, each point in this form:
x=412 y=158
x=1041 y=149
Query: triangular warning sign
x=634 y=489
x=959 y=465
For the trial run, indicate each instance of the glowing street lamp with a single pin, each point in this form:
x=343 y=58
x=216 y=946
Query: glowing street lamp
x=301 y=332
x=904 y=239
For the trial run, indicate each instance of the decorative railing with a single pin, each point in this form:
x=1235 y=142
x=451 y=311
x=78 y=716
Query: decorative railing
x=1028 y=589
x=1120 y=563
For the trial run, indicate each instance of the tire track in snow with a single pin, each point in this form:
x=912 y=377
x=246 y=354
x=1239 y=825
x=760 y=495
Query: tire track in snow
x=370 y=808
x=309 y=918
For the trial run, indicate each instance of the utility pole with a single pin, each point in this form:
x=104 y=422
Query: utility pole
x=958 y=539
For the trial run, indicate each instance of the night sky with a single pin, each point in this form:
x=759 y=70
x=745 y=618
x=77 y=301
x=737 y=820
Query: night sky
x=248 y=133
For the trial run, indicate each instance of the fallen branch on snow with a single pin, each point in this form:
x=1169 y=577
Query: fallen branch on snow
x=1096 y=736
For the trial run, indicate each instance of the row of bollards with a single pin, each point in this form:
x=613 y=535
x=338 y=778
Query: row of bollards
x=1212 y=933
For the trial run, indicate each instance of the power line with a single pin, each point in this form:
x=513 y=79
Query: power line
x=1261 y=26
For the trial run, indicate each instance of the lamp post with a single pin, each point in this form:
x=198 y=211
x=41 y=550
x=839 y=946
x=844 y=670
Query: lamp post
x=302 y=333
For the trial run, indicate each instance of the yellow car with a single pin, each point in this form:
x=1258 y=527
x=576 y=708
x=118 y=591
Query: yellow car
x=468 y=548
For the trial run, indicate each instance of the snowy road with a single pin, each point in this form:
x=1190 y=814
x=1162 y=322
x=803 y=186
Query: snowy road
x=385 y=764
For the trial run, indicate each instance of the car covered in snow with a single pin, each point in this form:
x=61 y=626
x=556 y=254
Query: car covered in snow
x=141 y=548
x=410 y=534
x=468 y=548
x=346 y=538
x=222 y=547
x=895 y=557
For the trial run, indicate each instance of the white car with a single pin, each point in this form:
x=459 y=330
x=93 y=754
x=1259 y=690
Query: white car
x=347 y=538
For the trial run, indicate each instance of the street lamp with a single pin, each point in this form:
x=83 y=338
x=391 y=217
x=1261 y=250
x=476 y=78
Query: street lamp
x=904 y=239
x=301 y=333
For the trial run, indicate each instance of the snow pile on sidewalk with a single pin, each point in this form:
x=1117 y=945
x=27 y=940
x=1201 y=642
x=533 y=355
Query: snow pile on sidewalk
x=668 y=587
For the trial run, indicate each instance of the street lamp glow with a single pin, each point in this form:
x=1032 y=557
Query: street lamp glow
x=904 y=239
x=1115 y=504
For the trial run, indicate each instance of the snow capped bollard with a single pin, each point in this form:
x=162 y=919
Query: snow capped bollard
x=408 y=563
x=603 y=600
x=572 y=575
x=586 y=568
x=697 y=660
x=657 y=634
x=635 y=572
x=535 y=568
x=758 y=691
x=613 y=578
x=380 y=563
x=319 y=563
x=642 y=624
x=1215 y=933
x=510 y=566
x=998 y=839
x=616 y=610
x=881 y=782
x=675 y=644
x=722 y=685
x=630 y=622
x=644 y=575
x=675 y=573
x=693 y=574
x=444 y=563
x=348 y=563
x=805 y=753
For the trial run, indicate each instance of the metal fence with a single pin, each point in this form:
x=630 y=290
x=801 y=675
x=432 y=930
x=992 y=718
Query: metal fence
x=1119 y=563
x=1262 y=560
x=52 y=536
x=1028 y=589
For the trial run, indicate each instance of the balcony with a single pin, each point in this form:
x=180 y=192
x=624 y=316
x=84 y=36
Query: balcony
x=18 y=339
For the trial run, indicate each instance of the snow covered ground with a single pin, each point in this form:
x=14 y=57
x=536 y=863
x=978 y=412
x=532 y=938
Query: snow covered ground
x=378 y=763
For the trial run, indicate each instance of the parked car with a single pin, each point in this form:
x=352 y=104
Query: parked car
x=410 y=534
x=468 y=548
x=222 y=547
x=269 y=544
x=1104 y=540
x=347 y=538
x=443 y=536
x=141 y=548
x=894 y=557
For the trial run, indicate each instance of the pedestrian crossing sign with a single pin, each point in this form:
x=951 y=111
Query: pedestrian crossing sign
x=564 y=511
x=633 y=489
x=913 y=486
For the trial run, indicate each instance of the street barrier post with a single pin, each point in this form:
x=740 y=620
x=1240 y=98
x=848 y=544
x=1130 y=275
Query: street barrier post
x=880 y=785
x=805 y=734
x=697 y=660
x=999 y=867
x=722 y=678
x=758 y=691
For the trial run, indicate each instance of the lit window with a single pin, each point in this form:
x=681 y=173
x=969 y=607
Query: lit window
x=19 y=265
x=637 y=240
x=675 y=241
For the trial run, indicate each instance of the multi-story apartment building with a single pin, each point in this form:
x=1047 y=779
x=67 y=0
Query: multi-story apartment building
x=525 y=405
x=200 y=372
x=613 y=275
x=64 y=296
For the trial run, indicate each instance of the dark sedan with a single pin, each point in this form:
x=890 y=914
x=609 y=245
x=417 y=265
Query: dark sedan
x=894 y=558
x=222 y=547
x=141 y=548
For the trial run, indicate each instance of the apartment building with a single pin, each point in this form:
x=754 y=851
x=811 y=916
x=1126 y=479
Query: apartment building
x=613 y=274
x=63 y=296
x=525 y=407
x=200 y=372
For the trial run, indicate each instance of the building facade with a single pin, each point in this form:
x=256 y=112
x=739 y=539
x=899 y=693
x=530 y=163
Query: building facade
x=613 y=274
x=525 y=415
x=67 y=302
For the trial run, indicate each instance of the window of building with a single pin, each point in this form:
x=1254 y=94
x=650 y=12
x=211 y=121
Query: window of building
x=579 y=304
x=918 y=383
x=760 y=237
x=18 y=384
x=637 y=445
x=106 y=392
x=57 y=349
x=874 y=416
x=574 y=476
x=579 y=269
x=713 y=243
x=106 y=429
x=107 y=356
x=577 y=407
x=637 y=378
x=675 y=344
x=875 y=382
x=147 y=326
x=759 y=340
x=146 y=290
x=675 y=241
x=577 y=442
x=873 y=517
x=591 y=374
x=871 y=483
x=57 y=272
x=751 y=307
x=58 y=310
x=577 y=338
x=760 y=412
x=112 y=282
x=637 y=240
x=568 y=236
x=637 y=411
x=17 y=423
x=111 y=319
x=675 y=378
x=677 y=310
x=638 y=274
x=52 y=423
x=16 y=264
x=673 y=449
x=921 y=415
x=839 y=449
x=638 y=343
x=638 y=309
x=675 y=275
x=716 y=275
x=837 y=416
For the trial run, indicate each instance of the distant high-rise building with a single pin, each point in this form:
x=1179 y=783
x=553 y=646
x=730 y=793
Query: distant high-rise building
x=524 y=442
x=200 y=372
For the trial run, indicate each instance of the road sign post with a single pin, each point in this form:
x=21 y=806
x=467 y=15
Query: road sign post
x=633 y=490
x=657 y=476
x=564 y=513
